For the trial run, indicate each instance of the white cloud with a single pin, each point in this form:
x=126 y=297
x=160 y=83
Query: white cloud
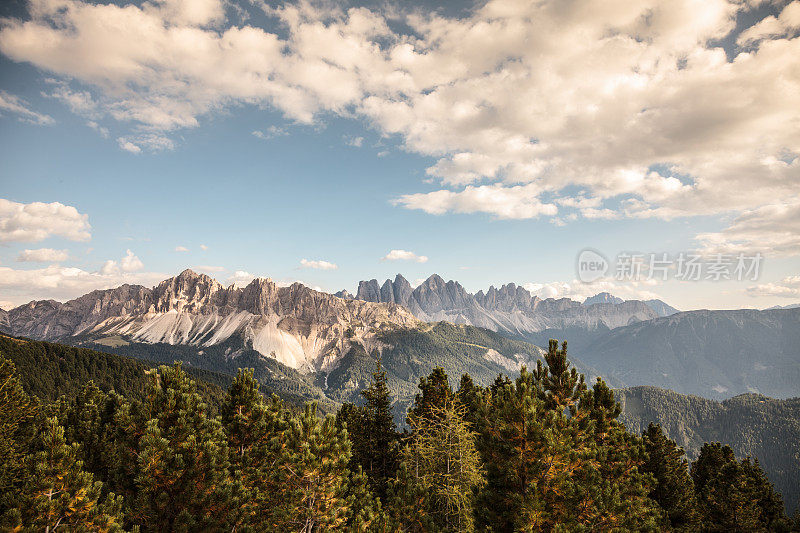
x=318 y=265
x=128 y=146
x=203 y=247
x=129 y=263
x=150 y=141
x=18 y=106
x=43 y=255
x=37 y=221
x=270 y=133
x=356 y=142
x=241 y=278
x=788 y=287
x=404 y=255
x=209 y=268
x=785 y=23
x=771 y=229
x=503 y=202
x=181 y=249
x=64 y=283
x=632 y=104
x=579 y=291
x=102 y=130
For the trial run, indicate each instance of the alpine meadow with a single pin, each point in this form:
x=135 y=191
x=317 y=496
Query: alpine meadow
x=313 y=266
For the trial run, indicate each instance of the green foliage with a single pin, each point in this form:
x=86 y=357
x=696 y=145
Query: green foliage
x=58 y=493
x=375 y=441
x=751 y=424
x=16 y=430
x=735 y=495
x=443 y=462
x=674 y=489
x=542 y=452
x=49 y=371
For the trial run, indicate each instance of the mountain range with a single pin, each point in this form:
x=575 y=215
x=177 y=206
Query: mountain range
x=714 y=354
x=325 y=345
x=301 y=341
x=511 y=309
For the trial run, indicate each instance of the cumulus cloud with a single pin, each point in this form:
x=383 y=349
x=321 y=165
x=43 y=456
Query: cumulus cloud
x=770 y=229
x=43 y=255
x=404 y=255
x=579 y=291
x=318 y=265
x=37 y=221
x=64 y=283
x=788 y=287
x=203 y=247
x=129 y=263
x=181 y=249
x=18 y=106
x=240 y=278
x=632 y=106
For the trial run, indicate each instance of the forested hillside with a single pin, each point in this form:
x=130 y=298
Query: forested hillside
x=48 y=371
x=542 y=452
x=753 y=425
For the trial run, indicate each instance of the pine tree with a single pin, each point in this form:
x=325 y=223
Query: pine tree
x=256 y=431
x=182 y=478
x=311 y=476
x=17 y=412
x=58 y=493
x=734 y=495
x=89 y=420
x=617 y=487
x=435 y=391
x=674 y=489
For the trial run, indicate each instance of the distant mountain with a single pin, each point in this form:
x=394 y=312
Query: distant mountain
x=751 y=424
x=602 y=298
x=510 y=310
x=790 y=306
x=661 y=308
x=715 y=354
x=301 y=342
x=297 y=326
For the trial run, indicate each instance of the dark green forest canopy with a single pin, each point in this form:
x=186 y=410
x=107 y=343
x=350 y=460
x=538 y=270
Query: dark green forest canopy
x=168 y=449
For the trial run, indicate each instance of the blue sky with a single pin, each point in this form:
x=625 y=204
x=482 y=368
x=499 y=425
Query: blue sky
x=413 y=140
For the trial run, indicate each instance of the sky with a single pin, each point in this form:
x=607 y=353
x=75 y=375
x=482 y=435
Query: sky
x=332 y=142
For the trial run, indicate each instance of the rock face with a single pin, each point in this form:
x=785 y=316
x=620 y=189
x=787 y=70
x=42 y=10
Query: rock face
x=511 y=309
x=5 y=325
x=602 y=298
x=301 y=328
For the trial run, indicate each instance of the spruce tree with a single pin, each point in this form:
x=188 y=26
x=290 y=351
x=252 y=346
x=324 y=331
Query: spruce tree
x=373 y=435
x=673 y=489
x=617 y=485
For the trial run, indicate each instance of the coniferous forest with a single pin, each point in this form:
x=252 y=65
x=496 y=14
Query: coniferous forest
x=159 y=449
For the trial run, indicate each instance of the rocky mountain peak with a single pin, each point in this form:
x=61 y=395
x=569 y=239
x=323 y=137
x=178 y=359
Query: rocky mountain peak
x=602 y=298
